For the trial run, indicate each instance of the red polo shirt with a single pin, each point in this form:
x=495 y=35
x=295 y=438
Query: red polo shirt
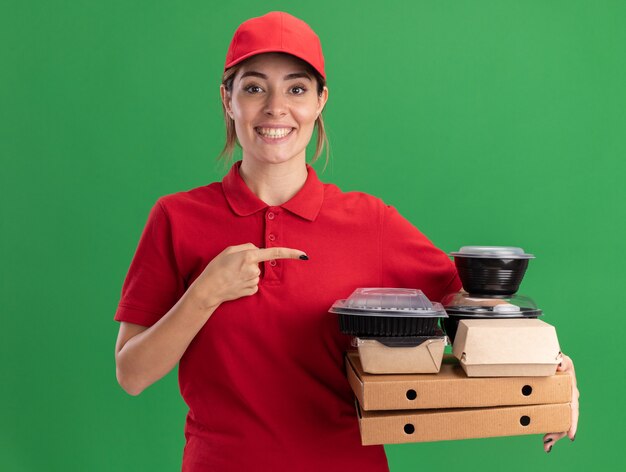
x=264 y=378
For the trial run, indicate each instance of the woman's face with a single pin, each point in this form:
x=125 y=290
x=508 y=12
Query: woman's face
x=274 y=103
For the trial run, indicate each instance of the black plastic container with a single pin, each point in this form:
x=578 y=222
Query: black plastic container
x=374 y=326
x=386 y=312
x=491 y=270
x=490 y=276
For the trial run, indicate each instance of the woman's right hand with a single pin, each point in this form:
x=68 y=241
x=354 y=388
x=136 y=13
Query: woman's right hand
x=235 y=272
x=144 y=355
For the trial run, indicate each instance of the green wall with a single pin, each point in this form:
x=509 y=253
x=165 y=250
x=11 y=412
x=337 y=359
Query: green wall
x=483 y=122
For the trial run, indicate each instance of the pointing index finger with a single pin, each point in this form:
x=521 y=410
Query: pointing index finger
x=270 y=253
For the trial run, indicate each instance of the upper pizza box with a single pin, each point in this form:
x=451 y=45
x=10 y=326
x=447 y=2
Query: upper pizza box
x=451 y=388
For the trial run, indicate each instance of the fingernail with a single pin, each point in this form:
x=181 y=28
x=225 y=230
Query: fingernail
x=547 y=441
x=573 y=438
x=304 y=257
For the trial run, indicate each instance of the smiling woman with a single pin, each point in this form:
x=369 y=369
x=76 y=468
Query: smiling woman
x=232 y=281
x=314 y=81
x=274 y=101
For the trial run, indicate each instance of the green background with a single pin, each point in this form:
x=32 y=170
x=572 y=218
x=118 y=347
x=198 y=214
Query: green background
x=483 y=122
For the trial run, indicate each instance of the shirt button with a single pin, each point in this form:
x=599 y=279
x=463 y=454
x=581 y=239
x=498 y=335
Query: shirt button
x=273 y=263
x=271 y=237
x=270 y=216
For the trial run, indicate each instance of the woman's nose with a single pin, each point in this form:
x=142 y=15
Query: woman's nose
x=276 y=104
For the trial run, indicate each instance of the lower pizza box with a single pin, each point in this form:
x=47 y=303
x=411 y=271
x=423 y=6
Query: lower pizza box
x=395 y=427
x=451 y=388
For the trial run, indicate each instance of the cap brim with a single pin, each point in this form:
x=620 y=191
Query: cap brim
x=263 y=51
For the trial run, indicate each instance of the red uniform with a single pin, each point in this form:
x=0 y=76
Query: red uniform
x=264 y=378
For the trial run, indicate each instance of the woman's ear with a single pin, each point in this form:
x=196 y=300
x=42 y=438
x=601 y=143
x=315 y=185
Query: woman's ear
x=321 y=100
x=225 y=94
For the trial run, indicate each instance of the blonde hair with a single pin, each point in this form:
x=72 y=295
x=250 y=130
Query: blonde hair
x=231 y=135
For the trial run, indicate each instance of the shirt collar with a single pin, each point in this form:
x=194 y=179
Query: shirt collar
x=306 y=203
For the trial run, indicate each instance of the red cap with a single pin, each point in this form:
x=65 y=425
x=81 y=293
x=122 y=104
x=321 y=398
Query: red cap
x=276 y=32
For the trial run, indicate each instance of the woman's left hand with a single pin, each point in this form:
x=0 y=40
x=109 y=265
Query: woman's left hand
x=549 y=439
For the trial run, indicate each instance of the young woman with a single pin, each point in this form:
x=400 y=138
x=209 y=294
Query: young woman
x=233 y=281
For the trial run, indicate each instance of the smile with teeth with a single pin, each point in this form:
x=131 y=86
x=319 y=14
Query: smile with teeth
x=274 y=133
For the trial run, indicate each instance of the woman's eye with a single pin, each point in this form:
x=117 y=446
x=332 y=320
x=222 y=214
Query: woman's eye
x=253 y=89
x=298 y=90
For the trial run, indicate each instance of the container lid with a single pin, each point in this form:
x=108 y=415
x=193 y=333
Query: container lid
x=471 y=306
x=396 y=302
x=492 y=252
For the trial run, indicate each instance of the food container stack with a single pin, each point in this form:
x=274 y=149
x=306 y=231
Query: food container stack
x=495 y=330
x=396 y=330
x=491 y=276
x=500 y=381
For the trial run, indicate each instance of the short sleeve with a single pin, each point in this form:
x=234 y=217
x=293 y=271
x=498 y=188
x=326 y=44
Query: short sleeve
x=410 y=260
x=153 y=283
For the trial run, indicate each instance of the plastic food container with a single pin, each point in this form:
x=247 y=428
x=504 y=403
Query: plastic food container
x=375 y=312
x=491 y=270
x=460 y=306
x=402 y=355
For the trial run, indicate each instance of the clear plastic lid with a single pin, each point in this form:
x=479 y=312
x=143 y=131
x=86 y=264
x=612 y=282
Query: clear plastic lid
x=388 y=302
x=492 y=252
x=513 y=306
